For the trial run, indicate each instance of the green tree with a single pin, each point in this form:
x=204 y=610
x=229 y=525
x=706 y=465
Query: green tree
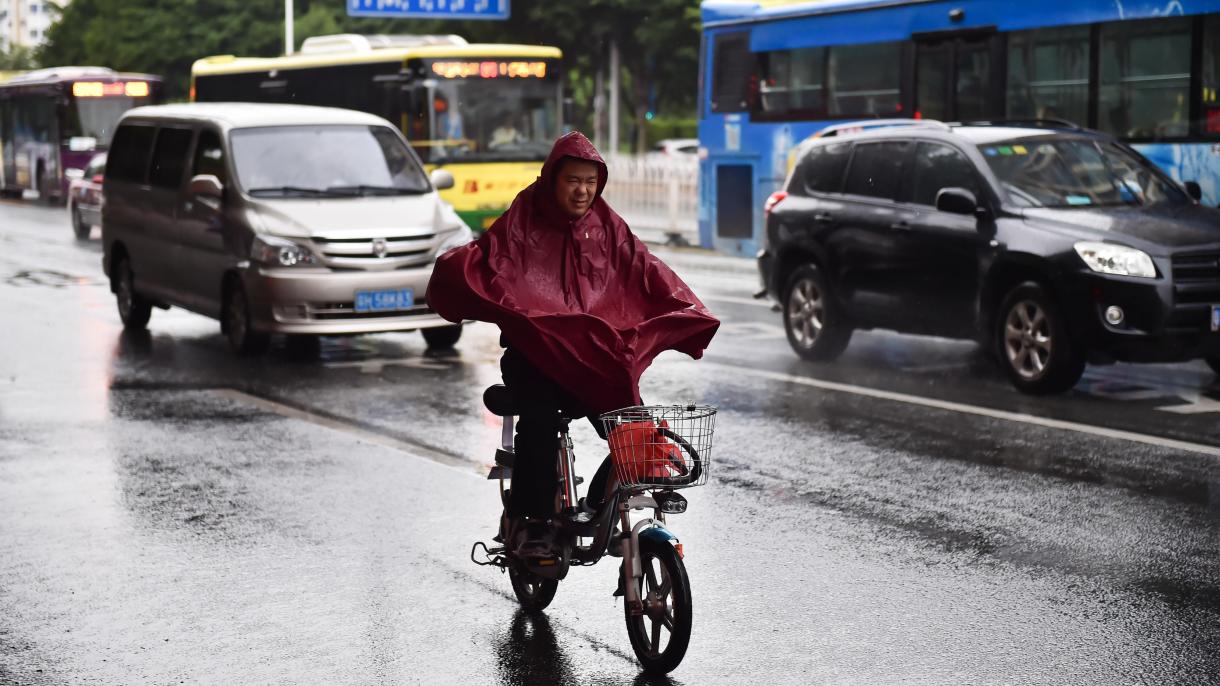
x=17 y=58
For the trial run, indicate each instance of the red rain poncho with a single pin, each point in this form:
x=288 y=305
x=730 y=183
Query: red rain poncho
x=582 y=299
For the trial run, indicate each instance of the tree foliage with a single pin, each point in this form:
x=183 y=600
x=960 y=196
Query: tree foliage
x=17 y=58
x=658 y=39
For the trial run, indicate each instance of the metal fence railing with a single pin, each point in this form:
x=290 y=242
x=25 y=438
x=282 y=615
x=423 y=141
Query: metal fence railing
x=657 y=195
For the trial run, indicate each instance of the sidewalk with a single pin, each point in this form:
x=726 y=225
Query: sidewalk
x=701 y=262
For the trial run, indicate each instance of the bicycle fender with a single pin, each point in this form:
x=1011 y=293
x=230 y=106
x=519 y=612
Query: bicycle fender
x=659 y=534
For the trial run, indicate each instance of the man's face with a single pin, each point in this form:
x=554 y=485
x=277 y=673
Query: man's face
x=575 y=186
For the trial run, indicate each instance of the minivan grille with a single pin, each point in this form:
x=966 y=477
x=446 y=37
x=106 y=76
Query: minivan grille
x=363 y=251
x=1196 y=278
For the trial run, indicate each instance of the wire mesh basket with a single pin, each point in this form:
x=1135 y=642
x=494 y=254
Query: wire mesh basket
x=666 y=446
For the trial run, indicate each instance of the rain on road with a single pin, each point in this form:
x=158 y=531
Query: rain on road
x=170 y=513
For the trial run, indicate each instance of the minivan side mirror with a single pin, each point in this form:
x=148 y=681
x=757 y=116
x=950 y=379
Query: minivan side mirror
x=205 y=186
x=442 y=179
x=1194 y=190
x=956 y=200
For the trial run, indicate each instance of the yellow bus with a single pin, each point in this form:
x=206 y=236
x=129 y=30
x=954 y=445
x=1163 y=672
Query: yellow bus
x=488 y=113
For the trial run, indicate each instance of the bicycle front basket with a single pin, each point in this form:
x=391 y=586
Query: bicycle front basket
x=666 y=446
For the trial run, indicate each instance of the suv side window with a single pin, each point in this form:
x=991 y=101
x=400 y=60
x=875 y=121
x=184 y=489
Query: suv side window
x=169 y=158
x=210 y=157
x=128 y=160
x=939 y=166
x=822 y=169
x=876 y=169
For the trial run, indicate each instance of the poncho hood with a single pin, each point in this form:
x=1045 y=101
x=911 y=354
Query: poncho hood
x=581 y=298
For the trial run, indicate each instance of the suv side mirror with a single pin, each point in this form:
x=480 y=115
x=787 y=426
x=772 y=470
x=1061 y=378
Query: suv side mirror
x=1194 y=190
x=442 y=179
x=205 y=186
x=956 y=200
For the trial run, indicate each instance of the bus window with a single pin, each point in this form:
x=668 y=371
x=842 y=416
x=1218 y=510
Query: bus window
x=1145 y=78
x=792 y=82
x=1210 y=78
x=1048 y=74
x=732 y=66
x=865 y=80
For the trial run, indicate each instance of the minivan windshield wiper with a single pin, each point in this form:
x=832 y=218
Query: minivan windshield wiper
x=295 y=190
x=367 y=189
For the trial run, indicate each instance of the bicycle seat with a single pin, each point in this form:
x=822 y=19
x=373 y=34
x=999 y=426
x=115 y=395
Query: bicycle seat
x=500 y=401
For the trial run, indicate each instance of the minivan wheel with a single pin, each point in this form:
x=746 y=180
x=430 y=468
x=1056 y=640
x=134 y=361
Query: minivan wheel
x=1214 y=363
x=242 y=338
x=134 y=310
x=1035 y=346
x=816 y=328
x=442 y=337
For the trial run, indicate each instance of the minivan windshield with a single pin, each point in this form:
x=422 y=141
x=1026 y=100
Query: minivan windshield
x=1076 y=172
x=325 y=161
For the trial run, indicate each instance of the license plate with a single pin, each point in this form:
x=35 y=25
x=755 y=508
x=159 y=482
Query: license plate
x=385 y=301
x=1215 y=317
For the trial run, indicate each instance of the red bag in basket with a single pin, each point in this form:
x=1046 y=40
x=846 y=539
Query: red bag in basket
x=640 y=451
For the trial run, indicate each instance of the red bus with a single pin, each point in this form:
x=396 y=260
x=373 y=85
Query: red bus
x=52 y=121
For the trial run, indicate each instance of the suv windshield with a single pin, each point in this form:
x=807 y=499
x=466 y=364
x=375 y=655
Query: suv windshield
x=325 y=160
x=1066 y=172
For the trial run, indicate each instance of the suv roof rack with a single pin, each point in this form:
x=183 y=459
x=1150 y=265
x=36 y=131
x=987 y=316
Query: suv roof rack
x=1044 y=122
x=868 y=124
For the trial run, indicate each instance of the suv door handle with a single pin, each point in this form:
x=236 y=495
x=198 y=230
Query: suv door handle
x=901 y=226
x=823 y=218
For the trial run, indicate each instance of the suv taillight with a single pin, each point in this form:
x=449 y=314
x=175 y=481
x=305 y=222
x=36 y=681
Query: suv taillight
x=776 y=198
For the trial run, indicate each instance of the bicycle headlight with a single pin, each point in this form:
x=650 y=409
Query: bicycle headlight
x=280 y=252
x=1108 y=258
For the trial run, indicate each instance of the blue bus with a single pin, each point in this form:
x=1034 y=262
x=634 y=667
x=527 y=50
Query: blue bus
x=774 y=72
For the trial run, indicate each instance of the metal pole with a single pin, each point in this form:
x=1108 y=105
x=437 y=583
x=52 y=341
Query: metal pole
x=289 y=41
x=614 y=89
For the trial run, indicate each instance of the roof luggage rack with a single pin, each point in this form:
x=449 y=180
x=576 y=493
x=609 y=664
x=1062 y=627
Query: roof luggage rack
x=1044 y=122
x=869 y=124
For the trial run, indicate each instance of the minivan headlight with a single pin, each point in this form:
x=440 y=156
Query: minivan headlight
x=1108 y=258
x=280 y=252
x=461 y=235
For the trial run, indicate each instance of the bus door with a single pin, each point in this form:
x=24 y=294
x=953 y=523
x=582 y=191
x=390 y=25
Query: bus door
x=958 y=75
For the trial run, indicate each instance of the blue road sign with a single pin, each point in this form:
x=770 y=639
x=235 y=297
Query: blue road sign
x=429 y=9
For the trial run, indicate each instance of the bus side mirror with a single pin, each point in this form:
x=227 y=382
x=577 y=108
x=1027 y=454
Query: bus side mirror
x=956 y=200
x=1194 y=190
x=442 y=179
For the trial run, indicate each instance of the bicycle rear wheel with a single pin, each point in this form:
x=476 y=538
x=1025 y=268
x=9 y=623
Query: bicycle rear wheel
x=661 y=634
x=533 y=592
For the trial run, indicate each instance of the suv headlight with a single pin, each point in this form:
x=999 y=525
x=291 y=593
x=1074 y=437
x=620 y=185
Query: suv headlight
x=280 y=252
x=459 y=236
x=1108 y=258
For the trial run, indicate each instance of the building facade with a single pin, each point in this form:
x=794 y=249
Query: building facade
x=24 y=23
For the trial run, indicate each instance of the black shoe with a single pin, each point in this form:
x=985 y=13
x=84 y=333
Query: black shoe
x=615 y=547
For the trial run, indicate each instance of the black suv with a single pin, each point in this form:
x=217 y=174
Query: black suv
x=1051 y=245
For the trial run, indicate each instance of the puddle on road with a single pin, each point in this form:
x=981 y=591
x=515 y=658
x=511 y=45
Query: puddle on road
x=49 y=278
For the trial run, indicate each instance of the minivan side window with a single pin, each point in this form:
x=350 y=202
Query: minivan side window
x=128 y=159
x=939 y=166
x=169 y=157
x=210 y=157
x=876 y=169
x=824 y=166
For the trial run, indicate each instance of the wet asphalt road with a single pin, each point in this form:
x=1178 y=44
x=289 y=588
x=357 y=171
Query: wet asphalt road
x=170 y=513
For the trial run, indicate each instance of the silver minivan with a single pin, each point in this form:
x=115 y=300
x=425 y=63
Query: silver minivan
x=274 y=219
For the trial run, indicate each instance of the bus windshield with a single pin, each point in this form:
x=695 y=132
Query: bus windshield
x=325 y=161
x=489 y=121
x=1066 y=172
x=96 y=118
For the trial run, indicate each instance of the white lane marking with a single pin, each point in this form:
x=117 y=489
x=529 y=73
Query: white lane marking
x=736 y=300
x=1197 y=403
x=412 y=449
x=963 y=408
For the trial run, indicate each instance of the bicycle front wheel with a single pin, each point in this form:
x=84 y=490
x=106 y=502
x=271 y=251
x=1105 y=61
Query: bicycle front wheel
x=533 y=592
x=661 y=634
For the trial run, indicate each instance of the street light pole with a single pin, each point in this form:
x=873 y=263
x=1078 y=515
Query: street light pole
x=289 y=42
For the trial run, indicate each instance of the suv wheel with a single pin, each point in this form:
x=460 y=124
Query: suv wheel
x=79 y=228
x=816 y=328
x=134 y=310
x=1034 y=343
x=442 y=337
x=242 y=338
